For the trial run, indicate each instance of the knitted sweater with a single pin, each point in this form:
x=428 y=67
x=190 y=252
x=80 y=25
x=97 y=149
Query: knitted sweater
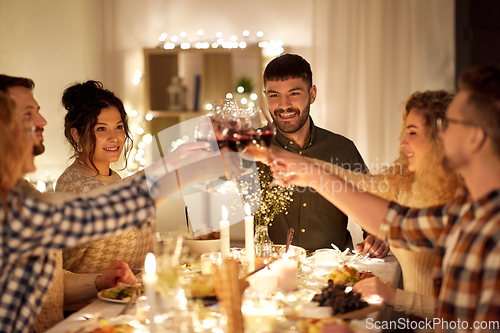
x=93 y=258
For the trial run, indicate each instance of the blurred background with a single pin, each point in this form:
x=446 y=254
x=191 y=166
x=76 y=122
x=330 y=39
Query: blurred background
x=367 y=57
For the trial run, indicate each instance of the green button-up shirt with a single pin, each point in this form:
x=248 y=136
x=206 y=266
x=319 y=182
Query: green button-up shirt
x=317 y=223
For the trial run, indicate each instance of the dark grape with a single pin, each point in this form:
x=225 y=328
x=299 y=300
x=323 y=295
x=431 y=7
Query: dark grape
x=340 y=301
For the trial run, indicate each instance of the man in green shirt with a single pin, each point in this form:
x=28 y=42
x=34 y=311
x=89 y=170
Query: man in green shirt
x=317 y=223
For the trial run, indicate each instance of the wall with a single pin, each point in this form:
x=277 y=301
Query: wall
x=55 y=43
x=58 y=42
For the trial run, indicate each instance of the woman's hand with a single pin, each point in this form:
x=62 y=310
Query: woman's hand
x=291 y=169
x=373 y=286
x=119 y=272
x=376 y=247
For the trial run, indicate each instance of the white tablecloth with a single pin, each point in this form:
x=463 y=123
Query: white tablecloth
x=387 y=269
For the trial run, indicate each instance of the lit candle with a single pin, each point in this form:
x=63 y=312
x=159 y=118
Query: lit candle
x=266 y=281
x=224 y=234
x=286 y=269
x=149 y=279
x=249 y=241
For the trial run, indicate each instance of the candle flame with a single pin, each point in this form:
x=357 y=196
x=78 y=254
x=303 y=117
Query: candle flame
x=248 y=210
x=150 y=264
x=225 y=213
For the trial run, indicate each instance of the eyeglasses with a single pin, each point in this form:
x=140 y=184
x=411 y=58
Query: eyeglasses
x=443 y=123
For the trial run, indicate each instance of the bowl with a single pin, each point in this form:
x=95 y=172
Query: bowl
x=200 y=246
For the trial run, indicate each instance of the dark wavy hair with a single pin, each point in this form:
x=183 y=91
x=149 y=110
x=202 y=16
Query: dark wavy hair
x=84 y=102
x=288 y=66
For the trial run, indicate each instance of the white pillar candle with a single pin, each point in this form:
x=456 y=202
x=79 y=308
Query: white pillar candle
x=265 y=281
x=224 y=234
x=149 y=278
x=286 y=269
x=249 y=239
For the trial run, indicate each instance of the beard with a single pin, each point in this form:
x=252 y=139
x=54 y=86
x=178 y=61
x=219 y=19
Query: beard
x=452 y=165
x=291 y=127
x=38 y=149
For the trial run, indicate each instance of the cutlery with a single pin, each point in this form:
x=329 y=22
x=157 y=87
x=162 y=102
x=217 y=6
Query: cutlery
x=289 y=239
x=131 y=302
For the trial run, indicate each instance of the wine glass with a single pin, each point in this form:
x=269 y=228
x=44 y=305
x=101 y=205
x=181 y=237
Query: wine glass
x=257 y=129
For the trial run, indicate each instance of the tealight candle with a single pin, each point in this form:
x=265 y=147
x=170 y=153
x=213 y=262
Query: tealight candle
x=150 y=279
x=224 y=234
x=286 y=269
x=249 y=239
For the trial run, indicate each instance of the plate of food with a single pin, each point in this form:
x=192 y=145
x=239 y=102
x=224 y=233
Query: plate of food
x=121 y=324
x=336 y=300
x=121 y=293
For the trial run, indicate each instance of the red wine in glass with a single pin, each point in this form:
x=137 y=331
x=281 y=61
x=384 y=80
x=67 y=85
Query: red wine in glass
x=266 y=137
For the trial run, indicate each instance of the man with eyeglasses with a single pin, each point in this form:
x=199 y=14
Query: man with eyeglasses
x=464 y=234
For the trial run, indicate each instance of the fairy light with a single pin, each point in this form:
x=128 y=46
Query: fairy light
x=229 y=95
x=141 y=145
x=163 y=37
x=246 y=33
x=183 y=34
x=149 y=117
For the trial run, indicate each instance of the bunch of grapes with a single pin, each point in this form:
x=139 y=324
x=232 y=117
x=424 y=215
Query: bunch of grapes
x=334 y=295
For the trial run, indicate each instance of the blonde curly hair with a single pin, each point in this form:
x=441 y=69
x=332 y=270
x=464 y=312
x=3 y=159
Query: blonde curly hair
x=13 y=145
x=431 y=185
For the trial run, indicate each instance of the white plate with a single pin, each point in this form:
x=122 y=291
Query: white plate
x=111 y=299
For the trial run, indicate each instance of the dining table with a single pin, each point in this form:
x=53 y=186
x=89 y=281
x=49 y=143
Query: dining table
x=386 y=269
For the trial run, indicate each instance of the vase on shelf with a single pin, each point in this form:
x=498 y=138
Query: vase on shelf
x=262 y=241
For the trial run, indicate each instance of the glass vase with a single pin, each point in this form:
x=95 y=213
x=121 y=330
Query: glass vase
x=262 y=241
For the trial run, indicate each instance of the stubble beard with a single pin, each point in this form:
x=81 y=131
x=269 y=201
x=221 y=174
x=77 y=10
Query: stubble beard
x=285 y=127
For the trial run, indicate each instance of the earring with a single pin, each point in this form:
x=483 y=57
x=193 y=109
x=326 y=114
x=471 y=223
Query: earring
x=79 y=148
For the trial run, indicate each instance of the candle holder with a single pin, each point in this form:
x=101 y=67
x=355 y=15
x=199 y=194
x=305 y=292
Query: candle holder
x=259 y=313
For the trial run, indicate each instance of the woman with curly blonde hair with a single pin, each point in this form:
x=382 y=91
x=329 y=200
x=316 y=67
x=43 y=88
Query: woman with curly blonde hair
x=415 y=179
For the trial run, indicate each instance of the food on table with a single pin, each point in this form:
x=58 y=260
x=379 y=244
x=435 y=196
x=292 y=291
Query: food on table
x=330 y=324
x=206 y=236
x=122 y=291
x=348 y=276
x=122 y=328
x=202 y=286
x=186 y=266
x=335 y=296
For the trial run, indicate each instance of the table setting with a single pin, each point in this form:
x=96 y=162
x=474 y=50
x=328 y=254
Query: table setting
x=196 y=283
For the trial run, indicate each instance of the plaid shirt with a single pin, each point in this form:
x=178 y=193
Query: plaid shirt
x=32 y=228
x=465 y=235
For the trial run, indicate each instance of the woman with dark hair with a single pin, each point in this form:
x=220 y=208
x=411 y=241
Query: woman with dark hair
x=96 y=127
x=35 y=227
